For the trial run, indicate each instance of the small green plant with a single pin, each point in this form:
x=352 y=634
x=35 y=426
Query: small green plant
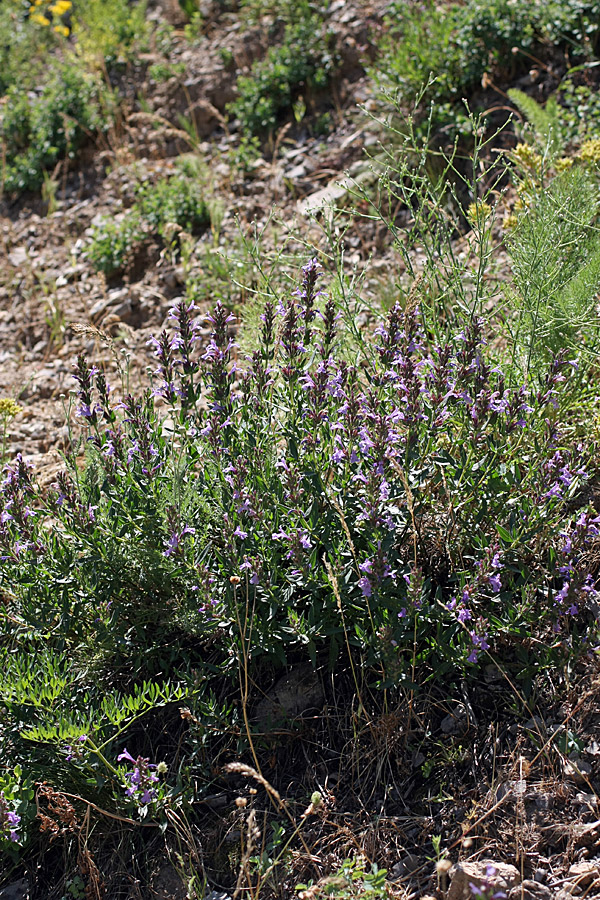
x=107 y=31
x=305 y=61
x=227 y=57
x=189 y=7
x=164 y=71
x=177 y=200
x=352 y=880
x=39 y=132
x=114 y=242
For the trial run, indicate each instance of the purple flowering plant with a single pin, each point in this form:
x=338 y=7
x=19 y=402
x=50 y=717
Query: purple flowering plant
x=141 y=779
x=17 y=809
x=411 y=503
x=419 y=484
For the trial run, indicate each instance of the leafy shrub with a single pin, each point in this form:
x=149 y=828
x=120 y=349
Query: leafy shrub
x=37 y=132
x=470 y=39
x=176 y=200
x=114 y=241
x=23 y=48
x=554 y=250
x=109 y=29
x=365 y=511
x=304 y=61
x=399 y=503
x=172 y=201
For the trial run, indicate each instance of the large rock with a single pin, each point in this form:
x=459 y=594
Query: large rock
x=464 y=874
x=530 y=890
x=18 y=890
x=296 y=692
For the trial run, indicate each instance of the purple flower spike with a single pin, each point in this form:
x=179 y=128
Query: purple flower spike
x=9 y=821
x=125 y=755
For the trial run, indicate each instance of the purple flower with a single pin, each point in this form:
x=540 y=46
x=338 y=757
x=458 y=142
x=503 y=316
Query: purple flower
x=175 y=538
x=495 y=583
x=304 y=540
x=365 y=586
x=242 y=535
x=125 y=755
x=140 y=779
x=9 y=821
x=487 y=890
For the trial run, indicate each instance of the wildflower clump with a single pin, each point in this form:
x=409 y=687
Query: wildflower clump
x=478 y=213
x=9 y=821
x=563 y=164
x=589 y=152
x=317 y=480
x=527 y=157
x=171 y=205
x=52 y=14
x=141 y=779
x=9 y=408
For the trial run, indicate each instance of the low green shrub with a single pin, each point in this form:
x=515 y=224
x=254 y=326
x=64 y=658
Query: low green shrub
x=408 y=504
x=109 y=30
x=24 y=48
x=171 y=201
x=305 y=61
x=115 y=241
x=458 y=46
x=177 y=200
x=398 y=504
x=39 y=131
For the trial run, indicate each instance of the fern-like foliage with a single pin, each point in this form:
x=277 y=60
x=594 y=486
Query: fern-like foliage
x=555 y=254
x=544 y=120
x=57 y=707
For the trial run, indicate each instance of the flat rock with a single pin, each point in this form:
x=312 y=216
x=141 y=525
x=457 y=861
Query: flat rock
x=530 y=890
x=455 y=722
x=326 y=197
x=293 y=694
x=584 y=873
x=18 y=890
x=17 y=256
x=577 y=770
x=464 y=874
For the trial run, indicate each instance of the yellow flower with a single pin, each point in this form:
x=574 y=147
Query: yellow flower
x=40 y=19
x=478 y=212
x=526 y=156
x=9 y=408
x=510 y=221
x=62 y=29
x=590 y=151
x=60 y=7
x=562 y=164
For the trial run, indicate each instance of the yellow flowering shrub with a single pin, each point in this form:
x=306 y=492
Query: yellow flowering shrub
x=46 y=15
x=590 y=151
x=478 y=212
x=562 y=164
x=9 y=408
x=527 y=156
